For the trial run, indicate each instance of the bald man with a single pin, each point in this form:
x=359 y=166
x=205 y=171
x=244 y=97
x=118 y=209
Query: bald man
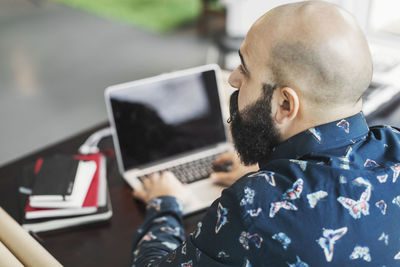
x=326 y=191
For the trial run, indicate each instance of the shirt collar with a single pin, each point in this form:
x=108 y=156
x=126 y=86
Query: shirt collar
x=322 y=137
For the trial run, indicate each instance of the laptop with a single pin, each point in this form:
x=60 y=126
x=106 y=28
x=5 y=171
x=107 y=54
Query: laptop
x=175 y=122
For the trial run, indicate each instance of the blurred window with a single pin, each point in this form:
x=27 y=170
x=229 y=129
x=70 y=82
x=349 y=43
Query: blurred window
x=385 y=17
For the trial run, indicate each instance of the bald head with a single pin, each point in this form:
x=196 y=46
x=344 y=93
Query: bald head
x=317 y=48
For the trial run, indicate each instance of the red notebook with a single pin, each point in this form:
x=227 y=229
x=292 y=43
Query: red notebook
x=90 y=203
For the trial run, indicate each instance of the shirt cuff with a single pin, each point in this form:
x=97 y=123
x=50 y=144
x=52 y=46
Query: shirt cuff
x=164 y=204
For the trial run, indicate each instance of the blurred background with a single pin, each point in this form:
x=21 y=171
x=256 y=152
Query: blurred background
x=58 y=56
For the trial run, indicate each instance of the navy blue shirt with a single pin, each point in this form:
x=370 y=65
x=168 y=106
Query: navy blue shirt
x=327 y=196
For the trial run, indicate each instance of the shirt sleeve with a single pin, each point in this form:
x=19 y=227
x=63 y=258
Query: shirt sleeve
x=219 y=239
x=160 y=233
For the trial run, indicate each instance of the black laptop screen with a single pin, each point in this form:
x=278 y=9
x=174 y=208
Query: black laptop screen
x=168 y=117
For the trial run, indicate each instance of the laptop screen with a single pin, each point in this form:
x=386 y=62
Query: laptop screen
x=167 y=117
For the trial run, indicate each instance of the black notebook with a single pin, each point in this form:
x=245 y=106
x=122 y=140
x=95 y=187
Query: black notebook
x=54 y=179
x=26 y=181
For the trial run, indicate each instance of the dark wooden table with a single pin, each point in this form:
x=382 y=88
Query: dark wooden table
x=103 y=244
x=108 y=244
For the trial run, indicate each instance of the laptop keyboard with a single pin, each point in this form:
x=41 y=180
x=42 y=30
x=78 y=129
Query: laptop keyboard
x=191 y=171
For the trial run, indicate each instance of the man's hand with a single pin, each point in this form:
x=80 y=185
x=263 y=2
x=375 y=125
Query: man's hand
x=164 y=184
x=237 y=169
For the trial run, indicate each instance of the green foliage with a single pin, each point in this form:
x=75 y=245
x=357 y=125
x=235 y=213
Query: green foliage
x=155 y=15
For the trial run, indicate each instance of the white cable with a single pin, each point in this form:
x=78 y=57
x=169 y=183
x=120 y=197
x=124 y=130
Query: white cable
x=90 y=145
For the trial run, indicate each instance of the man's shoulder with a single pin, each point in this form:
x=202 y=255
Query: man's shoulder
x=388 y=128
x=264 y=186
x=383 y=145
x=384 y=131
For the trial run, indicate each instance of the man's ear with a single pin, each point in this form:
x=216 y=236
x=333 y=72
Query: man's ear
x=287 y=105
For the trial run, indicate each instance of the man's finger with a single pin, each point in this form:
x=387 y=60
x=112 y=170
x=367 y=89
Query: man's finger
x=168 y=174
x=222 y=177
x=224 y=157
x=173 y=176
x=154 y=176
x=139 y=194
x=146 y=182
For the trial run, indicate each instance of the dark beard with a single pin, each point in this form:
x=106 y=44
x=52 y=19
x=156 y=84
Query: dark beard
x=253 y=131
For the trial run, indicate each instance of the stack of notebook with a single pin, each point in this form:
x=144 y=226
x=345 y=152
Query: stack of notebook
x=63 y=191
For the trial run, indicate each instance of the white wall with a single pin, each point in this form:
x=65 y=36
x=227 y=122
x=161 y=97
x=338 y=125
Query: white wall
x=241 y=14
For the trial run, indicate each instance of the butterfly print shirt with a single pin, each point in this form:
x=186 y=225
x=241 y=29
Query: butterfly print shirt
x=329 y=196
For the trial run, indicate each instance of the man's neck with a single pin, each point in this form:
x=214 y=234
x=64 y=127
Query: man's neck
x=319 y=117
